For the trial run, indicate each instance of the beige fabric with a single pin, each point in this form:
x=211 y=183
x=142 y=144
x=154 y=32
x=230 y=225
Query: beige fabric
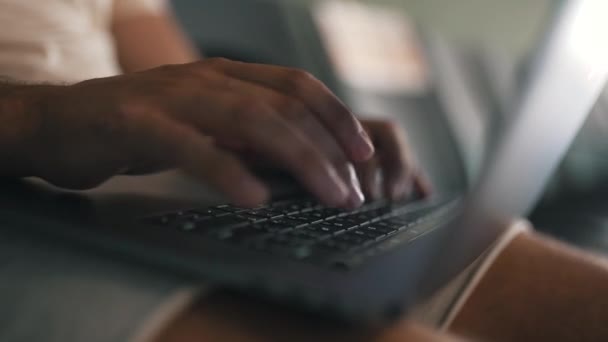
x=441 y=309
x=124 y=8
x=62 y=40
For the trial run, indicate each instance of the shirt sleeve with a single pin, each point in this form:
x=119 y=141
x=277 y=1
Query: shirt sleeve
x=127 y=8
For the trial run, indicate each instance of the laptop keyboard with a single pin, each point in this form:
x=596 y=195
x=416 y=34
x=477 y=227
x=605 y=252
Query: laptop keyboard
x=304 y=230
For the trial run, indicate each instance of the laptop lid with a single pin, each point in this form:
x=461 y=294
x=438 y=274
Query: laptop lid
x=565 y=82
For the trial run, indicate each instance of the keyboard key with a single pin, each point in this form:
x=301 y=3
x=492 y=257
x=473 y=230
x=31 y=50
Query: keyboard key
x=364 y=234
x=376 y=232
x=314 y=233
x=174 y=219
x=222 y=222
x=288 y=222
x=330 y=228
x=316 y=215
x=366 y=216
x=337 y=211
x=264 y=213
x=304 y=218
x=275 y=228
x=213 y=212
x=298 y=206
x=246 y=216
x=323 y=227
x=242 y=234
x=341 y=224
x=230 y=209
x=345 y=220
x=389 y=224
x=355 y=219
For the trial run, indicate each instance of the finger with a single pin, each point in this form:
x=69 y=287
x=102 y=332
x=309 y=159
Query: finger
x=158 y=139
x=356 y=198
x=422 y=184
x=233 y=116
x=338 y=119
x=299 y=117
x=369 y=174
x=399 y=171
x=319 y=136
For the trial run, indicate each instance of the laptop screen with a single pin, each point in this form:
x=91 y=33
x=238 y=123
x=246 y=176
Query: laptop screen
x=564 y=83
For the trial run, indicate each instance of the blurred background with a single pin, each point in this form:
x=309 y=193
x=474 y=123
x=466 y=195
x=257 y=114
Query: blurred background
x=386 y=58
x=449 y=71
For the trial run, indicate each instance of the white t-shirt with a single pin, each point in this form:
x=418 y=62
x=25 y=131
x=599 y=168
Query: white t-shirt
x=63 y=40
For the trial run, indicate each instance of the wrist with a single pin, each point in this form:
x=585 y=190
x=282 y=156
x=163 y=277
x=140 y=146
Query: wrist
x=22 y=108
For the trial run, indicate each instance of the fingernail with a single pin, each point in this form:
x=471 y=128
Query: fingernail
x=255 y=195
x=426 y=188
x=340 y=192
x=356 y=198
x=365 y=147
x=401 y=190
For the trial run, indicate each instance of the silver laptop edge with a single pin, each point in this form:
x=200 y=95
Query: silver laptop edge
x=565 y=83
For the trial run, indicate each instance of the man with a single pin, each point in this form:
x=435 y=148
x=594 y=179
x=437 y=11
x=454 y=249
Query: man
x=189 y=113
x=67 y=118
x=203 y=117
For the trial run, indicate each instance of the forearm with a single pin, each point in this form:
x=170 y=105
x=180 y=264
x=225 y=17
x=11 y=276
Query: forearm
x=541 y=290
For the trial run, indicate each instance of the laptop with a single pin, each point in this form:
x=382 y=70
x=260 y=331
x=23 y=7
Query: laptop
x=368 y=265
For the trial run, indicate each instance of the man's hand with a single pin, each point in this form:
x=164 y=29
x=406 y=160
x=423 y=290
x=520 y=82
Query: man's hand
x=194 y=116
x=391 y=173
